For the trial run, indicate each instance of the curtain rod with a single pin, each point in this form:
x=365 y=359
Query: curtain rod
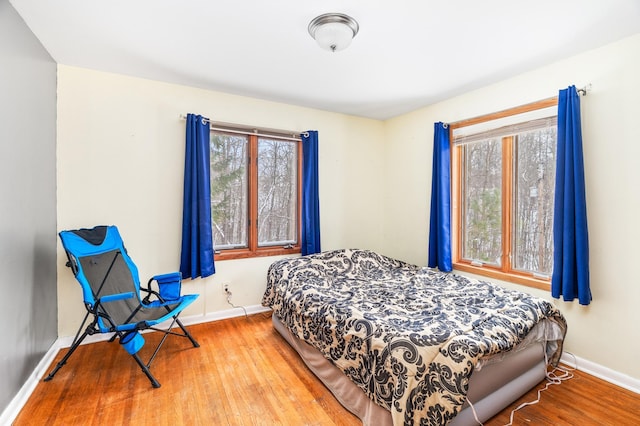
x=584 y=90
x=522 y=108
x=240 y=129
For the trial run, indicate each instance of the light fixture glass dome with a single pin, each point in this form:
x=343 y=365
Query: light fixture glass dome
x=333 y=31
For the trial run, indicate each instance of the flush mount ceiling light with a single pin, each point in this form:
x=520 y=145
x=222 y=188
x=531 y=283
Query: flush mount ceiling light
x=333 y=31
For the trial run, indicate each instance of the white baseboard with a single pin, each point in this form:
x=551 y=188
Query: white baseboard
x=65 y=342
x=13 y=409
x=601 y=372
x=220 y=315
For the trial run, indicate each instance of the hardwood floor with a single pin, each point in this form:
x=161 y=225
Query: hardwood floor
x=244 y=373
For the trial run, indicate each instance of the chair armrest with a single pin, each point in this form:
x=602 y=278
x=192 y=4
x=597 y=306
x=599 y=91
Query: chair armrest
x=114 y=297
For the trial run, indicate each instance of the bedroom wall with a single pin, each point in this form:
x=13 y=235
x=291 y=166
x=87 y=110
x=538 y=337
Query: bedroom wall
x=121 y=158
x=28 y=207
x=606 y=332
x=120 y=155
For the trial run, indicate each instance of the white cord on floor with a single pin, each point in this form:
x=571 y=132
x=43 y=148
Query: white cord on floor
x=473 y=410
x=229 y=294
x=552 y=379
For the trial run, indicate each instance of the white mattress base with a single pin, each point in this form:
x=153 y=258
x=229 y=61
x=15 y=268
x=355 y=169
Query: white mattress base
x=491 y=389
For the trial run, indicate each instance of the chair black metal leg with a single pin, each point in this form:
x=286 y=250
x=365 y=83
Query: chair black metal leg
x=146 y=371
x=186 y=333
x=66 y=357
x=164 y=337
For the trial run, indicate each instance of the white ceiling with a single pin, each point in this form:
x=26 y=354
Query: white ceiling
x=408 y=53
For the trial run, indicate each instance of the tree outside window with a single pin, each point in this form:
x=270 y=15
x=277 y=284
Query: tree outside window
x=503 y=181
x=255 y=199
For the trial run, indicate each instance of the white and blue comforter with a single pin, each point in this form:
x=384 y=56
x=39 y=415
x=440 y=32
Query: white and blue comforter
x=409 y=337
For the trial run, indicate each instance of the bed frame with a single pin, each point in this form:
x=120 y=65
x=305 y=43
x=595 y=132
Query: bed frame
x=491 y=388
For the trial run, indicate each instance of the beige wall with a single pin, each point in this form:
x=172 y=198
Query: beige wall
x=121 y=158
x=608 y=331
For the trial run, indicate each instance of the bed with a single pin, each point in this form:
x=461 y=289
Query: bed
x=399 y=344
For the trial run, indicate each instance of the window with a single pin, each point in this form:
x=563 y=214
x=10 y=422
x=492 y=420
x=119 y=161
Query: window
x=503 y=179
x=255 y=193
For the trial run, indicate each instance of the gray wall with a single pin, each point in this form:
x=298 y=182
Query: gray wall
x=28 y=305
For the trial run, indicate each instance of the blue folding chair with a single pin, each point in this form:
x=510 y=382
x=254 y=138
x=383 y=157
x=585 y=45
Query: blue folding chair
x=112 y=294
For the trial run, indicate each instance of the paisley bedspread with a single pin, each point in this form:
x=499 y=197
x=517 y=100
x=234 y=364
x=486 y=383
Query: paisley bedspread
x=409 y=337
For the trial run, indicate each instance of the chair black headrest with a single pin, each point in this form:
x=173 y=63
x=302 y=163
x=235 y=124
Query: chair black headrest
x=93 y=235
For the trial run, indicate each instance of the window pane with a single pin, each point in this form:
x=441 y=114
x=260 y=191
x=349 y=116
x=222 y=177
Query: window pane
x=277 y=192
x=482 y=215
x=534 y=176
x=229 y=190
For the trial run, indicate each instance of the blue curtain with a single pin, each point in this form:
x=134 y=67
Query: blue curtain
x=310 y=238
x=440 y=225
x=196 y=257
x=570 y=241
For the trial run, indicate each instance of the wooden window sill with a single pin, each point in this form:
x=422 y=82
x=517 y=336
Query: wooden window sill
x=246 y=254
x=525 y=280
